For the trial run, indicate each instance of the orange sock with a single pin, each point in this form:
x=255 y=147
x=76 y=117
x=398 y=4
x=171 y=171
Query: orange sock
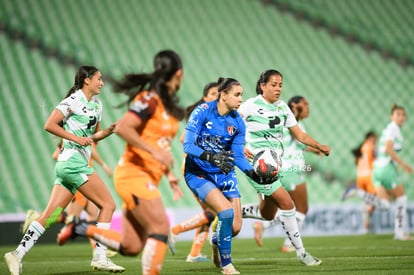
x=199 y=240
x=193 y=222
x=153 y=256
x=108 y=237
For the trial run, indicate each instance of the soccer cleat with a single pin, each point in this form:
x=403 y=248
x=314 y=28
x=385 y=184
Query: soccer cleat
x=403 y=238
x=258 y=233
x=229 y=269
x=215 y=255
x=68 y=231
x=287 y=248
x=197 y=259
x=172 y=239
x=31 y=215
x=13 y=263
x=309 y=260
x=105 y=264
x=349 y=192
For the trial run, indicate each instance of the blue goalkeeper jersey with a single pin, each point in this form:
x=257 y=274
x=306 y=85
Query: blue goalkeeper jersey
x=207 y=130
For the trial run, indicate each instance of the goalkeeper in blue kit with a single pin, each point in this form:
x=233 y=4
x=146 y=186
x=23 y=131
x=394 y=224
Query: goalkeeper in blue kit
x=214 y=141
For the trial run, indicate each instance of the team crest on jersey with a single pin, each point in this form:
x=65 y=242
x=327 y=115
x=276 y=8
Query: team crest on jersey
x=231 y=130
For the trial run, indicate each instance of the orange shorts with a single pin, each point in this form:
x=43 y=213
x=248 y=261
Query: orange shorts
x=365 y=183
x=132 y=183
x=80 y=199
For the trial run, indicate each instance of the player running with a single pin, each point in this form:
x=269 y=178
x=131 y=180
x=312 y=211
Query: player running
x=266 y=116
x=81 y=113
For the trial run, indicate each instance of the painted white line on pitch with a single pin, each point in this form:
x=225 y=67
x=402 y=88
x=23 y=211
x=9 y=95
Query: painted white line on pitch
x=182 y=260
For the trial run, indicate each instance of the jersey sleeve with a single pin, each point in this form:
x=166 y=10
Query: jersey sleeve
x=238 y=148
x=391 y=133
x=290 y=118
x=67 y=105
x=192 y=130
x=144 y=106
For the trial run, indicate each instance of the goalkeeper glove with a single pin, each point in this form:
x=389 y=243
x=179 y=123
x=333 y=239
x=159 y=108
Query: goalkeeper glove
x=261 y=180
x=222 y=160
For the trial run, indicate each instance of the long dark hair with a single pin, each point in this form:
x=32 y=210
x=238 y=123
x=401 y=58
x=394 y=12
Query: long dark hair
x=166 y=64
x=264 y=78
x=295 y=100
x=82 y=73
x=356 y=152
x=190 y=108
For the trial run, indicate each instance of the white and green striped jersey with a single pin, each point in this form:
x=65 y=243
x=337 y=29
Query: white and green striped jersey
x=265 y=122
x=293 y=157
x=80 y=118
x=391 y=133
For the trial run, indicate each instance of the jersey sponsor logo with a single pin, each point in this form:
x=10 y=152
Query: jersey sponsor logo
x=209 y=125
x=213 y=142
x=274 y=121
x=200 y=109
x=92 y=122
x=231 y=130
x=192 y=123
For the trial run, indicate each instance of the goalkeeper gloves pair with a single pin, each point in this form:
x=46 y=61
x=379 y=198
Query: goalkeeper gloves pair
x=224 y=161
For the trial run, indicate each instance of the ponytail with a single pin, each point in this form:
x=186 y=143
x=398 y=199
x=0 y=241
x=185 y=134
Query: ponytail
x=166 y=64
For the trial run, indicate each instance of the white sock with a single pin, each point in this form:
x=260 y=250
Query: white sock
x=251 y=210
x=100 y=250
x=372 y=199
x=300 y=217
x=30 y=237
x=400 y=216
x=290 y=225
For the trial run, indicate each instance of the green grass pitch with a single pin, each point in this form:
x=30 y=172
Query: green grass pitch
x=362 y=254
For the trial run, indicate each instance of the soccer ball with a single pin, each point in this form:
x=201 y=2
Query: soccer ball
x=267 y=163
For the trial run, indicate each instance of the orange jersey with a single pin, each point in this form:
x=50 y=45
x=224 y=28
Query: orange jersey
x=157 y=130
x=365 y=162
x=364 y=168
